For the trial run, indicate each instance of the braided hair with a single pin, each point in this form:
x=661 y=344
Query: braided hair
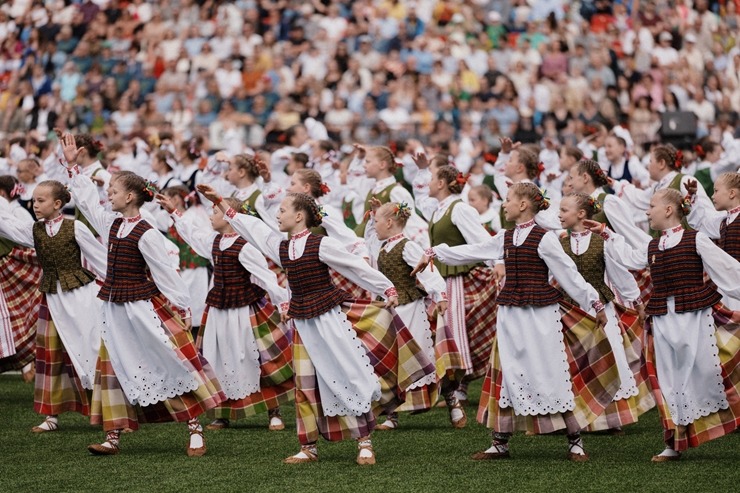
x=305 y=203
x=454 y=180
x=312 y=178
x=385 y=155
x=586 y=203
x=142 y=189
x=530 y=192
x=399 y=213
x=672 y=156
x=58 y=190
x=592 y=169
x=673 y=197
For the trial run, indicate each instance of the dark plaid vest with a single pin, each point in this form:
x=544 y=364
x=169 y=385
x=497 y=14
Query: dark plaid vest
x=232 y=283
x=395 y=268
x=311 y=289
x=60 y=258
x=591 y=265
x=729 y=238
x=127 y=278
x=527 y=282
x=679 y=272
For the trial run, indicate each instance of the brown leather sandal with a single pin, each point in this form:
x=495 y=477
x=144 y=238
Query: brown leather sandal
x=200 y=451
x=311 y=456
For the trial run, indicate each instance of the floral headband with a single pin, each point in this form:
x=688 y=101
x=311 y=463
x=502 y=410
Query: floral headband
x=321 y=214
x=594 y=204
x=150 y=188
x=542 y=198
x=700 y=150
x=402 y=209
x=247 y=209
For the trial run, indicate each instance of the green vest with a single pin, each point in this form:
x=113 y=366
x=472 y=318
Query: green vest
x=591 y=266
x=676 y=185
x=348 y=215
x=488 y=180
x=6 y=246
x=384 y=196
x=188 y=258
x=251 y=202
x=601 y=215
x=319 y=230
x=445 y=231
x=395 y=268
x=60 y=258
x=704 y=176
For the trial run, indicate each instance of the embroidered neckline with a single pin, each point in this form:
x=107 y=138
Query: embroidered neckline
x=300 y=235
x=394 y=238
x=671 y=231
x=229 y=235
x=56 y=220
x=733 y=211
x=580 y=234
x=134 y=219
x=528 y=224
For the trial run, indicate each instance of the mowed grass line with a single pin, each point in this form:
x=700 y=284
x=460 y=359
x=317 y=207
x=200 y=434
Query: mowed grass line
x=425 y=455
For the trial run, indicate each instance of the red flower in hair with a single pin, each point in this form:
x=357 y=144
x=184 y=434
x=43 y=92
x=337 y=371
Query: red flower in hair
x=399 y=163
x=461 y=179
x=540 y=168
x=325 y=188
x=679 y=160
x=393 y=146
x=700 y=151
x=98 y=145
x=489 y=157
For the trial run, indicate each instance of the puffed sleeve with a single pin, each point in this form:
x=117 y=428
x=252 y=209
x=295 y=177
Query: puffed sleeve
x=623 y=253
x=165 y=276
x=16 y=230
x=433 y=283
x=564 y=271
x=86 y=196
x=706 y=219
x=722 y=268
x=426 y=204
x=255 y=263
x=92 y=250
x=264 y=213
x=201 y=240
x=467 y=220
x=621 y=278
x=256 y=232
x=335 y=227
x=619 y=214
x=492 y=248
x=354 y=268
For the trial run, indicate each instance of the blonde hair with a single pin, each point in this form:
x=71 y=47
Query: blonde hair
x=730 y=180
x=385 y=155
x=673 y=197
x=400 y=213
x=534 y=195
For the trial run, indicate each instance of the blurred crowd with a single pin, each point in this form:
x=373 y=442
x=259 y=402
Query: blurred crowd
x=453 y=74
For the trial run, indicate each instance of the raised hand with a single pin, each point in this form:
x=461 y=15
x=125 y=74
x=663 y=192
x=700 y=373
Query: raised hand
x=691 y=187
x=360 y=150
x=165 y=202
x=375 y=204
x=421 y=160
x=507 y=145
x=264 y=170
x=70 y=149
x=208 y=192
x=421 y=265
x=594 y=226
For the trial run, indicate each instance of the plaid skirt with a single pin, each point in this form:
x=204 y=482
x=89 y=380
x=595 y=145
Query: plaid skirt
x=397 y=361
x=450 y=369
x=355 y=291
x=57 y=387
x=276 y=373
x=644 y=282
x=594 y=378
x=715 y=424
x=112 y=409
x=20 y=274
x=623 y=412
x=282 y=277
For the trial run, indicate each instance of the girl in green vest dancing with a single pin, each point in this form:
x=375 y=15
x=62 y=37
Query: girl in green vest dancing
x=349 y=359
x=396 y=257
x=68 y=332
x=148 y=368
x=551 y=367
x=471 y=289
x=624 y=327
x=692 y=343
x=20 y=273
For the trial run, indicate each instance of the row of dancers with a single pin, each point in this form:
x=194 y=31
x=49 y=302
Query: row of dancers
x=564 y=355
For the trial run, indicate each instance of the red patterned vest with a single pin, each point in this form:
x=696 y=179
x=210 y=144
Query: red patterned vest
x=527 y=283
x=311 y=289
x=679 y=272
x=232 y=283
x=729 y=238
x=127 y=278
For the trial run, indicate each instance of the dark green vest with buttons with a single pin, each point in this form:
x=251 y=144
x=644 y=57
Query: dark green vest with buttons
x=445 y=231
x=60 y=258
x=384 y=196
x=591 y=265
x=395 y=268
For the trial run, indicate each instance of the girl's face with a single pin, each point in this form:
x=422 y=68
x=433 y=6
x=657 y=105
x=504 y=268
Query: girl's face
x=511 y=168
x=570 y=215
x=158 y=166
x=384 y=226
x=659 y=214
x=566 y=160
x=613 y=149
x=578 y=180
x=234 y=174
x=118 y=197
x=724 y=198
x=436 y=184
x=477 y=202
x=217 y=220
x=514 y=206
x=297 y=186
x=44 y=204
x=657 y=169
x=288 y=218
x=373 y=165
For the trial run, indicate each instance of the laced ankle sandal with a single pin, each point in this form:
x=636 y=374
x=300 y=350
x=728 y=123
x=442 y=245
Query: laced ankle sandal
x=667 y=457
x=50 y=423
x=498 y=450
x=365 y=444
x=460 y=422
x=198 y=451
x=111 y=439
x=575 y=456
x=310 y=454
x=276 y=420
x=391 y=423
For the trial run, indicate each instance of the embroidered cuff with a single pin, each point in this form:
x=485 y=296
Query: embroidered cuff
x=184 y=313
x=175 y=214
x=284 y=306
x=443 y=296
x=230 y=213
x=390 y=292
x=604 y=233
x=597 y=306
x=73 y=171
x=429 y=252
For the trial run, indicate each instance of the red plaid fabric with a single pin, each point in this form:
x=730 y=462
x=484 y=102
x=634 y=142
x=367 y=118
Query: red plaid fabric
x=57 y=387
x=480 y=317
x=645 y=283
x=355 y=291
x=716 y=424
x=282 y=277
x=593 y=372
x=20 y=274
x=111 y=408
x=623 y=412
x=396 y=358
x=276 y=380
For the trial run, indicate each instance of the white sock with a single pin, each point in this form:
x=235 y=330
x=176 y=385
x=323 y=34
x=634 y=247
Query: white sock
x=669 y=452
x=275 y=421
x=50 y=423
x=497 y=448
x=461 y=395
x=389 y=423
x=576 y=447
x=304 y=455
x=196 y=440
x=456 y=414
x=365 y=452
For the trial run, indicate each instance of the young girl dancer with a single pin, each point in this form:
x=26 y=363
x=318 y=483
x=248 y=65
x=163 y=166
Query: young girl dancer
x=471 y=289
x=148 y=367
x=721 y=224
x=624 y=327
x=68 y=332
x=20 y=274
x=336 y=377
x=692 y=353
x=242 y=337
x=396 y=258
x=480 y=198
x=541 y=378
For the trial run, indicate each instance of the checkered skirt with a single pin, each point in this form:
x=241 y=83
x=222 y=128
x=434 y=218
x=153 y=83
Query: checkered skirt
x=480 y=317
x=397 y=360
x=355 y=291
x=111 y=408
x=276 y=375
x=623 y=412
x=20 y=274
x=57 y=387
x=594 y=377
x=716 y=424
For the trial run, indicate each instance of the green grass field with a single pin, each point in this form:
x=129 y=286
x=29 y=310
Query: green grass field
x=426 y=455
